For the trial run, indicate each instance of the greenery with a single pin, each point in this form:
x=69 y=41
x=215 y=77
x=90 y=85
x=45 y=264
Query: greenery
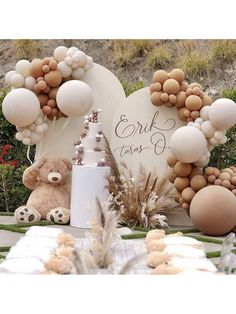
x=131 y=88
x=225 y=155
x=26 y=49
x=224 y=51
x=160 y=58
x=194 y=63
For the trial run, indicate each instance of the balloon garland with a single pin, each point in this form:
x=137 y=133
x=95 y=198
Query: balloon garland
x=191 y=146
x=42 y=89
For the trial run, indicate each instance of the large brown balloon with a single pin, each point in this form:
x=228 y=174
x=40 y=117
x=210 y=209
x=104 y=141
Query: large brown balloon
x=53 y=78
x=36 y=68
x=213 y=210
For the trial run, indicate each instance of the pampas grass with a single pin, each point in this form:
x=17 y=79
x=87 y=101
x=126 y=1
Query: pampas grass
x=143 y=201
x=103 y=231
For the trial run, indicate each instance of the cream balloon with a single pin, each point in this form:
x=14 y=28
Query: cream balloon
x=74 y=98
x=204 y=112
x=78 y=73
x=64 y=69
x=222 y=113
x=17 y=80
x=21 y=107
x=23 y=67
x=30 y=81
x=60 y=53
x=188 y=144
x=8 y=76
x=207 y=129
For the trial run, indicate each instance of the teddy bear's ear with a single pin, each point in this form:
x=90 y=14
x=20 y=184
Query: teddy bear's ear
x=68 y=163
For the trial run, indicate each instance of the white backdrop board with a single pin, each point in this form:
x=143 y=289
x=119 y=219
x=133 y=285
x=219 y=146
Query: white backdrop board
x=108 y=95
x=141 y=133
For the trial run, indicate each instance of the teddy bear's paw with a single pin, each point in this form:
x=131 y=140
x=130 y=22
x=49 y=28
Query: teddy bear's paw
x=59 y=215
x=26 y=214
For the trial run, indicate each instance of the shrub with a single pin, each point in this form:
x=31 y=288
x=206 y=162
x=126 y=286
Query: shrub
x=141 y=46
x=224 y=51
x=131 y=88
x=194 y=64
x=225 y=155
x=160 y=58
x=26 y=49
x=12 y=192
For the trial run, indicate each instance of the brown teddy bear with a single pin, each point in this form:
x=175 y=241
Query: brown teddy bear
x=50 y=199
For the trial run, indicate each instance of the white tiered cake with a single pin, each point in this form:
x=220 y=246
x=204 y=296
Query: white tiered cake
x=88 y=174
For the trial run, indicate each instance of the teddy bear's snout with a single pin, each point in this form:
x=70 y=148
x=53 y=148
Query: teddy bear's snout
x=54 y=177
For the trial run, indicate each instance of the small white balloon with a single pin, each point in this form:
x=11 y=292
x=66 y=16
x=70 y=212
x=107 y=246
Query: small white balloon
x=26 y=141
x=38 y=121
x=32 y=127
x=74 y=65
x=8 y=77
x=74 y=98
x=219 y=136
x=34 y=138
x=204 y=113
x=199 y=120
x=23 y=67
x=60 y=53
x=89 y=60
x=19 y=136
x=21 y=107
x=210 y=147
x=82 y=58
x=224 y=140
x=188 y=144
x=213 y=141
x=190 y=123
x=207 y=129
x=45 y=126
x=197 y=126
x=202 y=162
x=73 y=49
x=69 y=53
x=64 y=69
x=39 y=129
x=17 y=80
x=68 y=60
x=77 y=74
x=26 y=133
x=30 y=81
x=222 y=113
x=87 y=67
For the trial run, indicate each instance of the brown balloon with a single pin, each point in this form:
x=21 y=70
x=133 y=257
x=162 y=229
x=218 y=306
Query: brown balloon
x=53 y=78
x=36 y=68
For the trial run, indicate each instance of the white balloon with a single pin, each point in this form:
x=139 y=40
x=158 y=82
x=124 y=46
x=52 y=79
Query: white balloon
x=69 y=53
x=202 y=162
x=60 y=53
x=26 y=141
x=38 y=121
x=19 y=136
x=210 y=147
x=219 y=135
x=77 y=74
x=196 y=125
x=82 y=58
x=199 y=120
x=21 y=107
x=204 y=112
x=30 y=81
x=32 y=127
x=34 y=138
x=74 y=98
x=89 y=60
x=68 y=60
x=188 y=144
x=191 y=123
x=64 y=69
x=23 y=67
x=87 y=67
x=224 y=140
x=26 y=133
x=17 y=80
x=8 y=77
x=213 y=141
x=39 y=129
x=73 y=49
x=207 y=129
x=222 y=113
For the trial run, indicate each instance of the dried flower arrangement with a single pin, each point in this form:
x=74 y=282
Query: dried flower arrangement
x=103 y=234
x=143 y=201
